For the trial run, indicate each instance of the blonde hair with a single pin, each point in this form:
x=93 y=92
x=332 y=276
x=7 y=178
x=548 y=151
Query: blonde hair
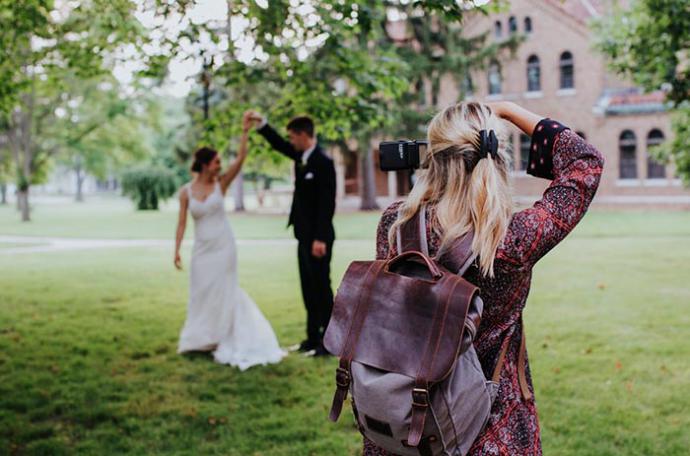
x=470 y=193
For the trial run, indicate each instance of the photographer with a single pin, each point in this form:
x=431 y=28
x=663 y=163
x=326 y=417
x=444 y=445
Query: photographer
x=465 y=190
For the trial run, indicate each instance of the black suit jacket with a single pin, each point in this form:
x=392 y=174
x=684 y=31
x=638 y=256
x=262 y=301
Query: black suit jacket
x=313 y=203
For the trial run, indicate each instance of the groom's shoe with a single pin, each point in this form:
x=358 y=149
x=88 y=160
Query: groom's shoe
x=321 y=351
x=303 y=347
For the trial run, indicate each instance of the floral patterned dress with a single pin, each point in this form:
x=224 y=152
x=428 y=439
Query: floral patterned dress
x=575 y=167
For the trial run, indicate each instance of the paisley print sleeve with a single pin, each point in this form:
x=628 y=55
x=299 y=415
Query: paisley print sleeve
x=575 y=167
x=388 y=217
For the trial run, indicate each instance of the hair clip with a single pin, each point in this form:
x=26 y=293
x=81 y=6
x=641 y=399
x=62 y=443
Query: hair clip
x=488 y=144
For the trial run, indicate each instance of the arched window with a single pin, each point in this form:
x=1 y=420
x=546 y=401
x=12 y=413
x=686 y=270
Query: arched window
x=512 y=25
x=525 y=142
x=627 y=146
x=494 y=78
x=528 y=24
x=498 y=29
x=533 y=74
x=581 y=134
x=655 y=169
x=567 y=68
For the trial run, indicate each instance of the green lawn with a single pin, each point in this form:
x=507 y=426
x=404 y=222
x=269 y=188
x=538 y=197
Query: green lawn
x=88 y=338
x=116 y=219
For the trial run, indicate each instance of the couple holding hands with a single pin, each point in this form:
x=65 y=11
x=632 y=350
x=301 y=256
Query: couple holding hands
x=221 y=317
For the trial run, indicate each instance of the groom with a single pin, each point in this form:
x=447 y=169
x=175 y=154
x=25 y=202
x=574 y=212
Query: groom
x=311 y=216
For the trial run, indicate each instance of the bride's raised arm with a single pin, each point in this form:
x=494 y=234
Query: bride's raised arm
x=229 y=175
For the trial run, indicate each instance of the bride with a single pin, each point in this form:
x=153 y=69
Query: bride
x=221 y=317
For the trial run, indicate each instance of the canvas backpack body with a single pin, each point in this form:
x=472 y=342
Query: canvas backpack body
x=403 y=329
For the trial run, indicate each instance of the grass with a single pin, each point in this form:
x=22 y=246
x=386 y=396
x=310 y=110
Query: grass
x=88 y=338
x=116 y=219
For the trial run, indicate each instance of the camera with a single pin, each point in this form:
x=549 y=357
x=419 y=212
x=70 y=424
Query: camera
x=402 y=154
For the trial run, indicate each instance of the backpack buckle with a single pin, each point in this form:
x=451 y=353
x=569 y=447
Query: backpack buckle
x=420 y=397
x=342 y=377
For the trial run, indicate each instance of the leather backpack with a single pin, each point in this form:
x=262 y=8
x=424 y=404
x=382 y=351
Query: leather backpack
x=403 y=329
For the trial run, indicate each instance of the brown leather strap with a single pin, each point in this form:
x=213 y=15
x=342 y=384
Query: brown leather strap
x=342 y=373
x=420 y=405
x=521 y=364
x=459 y=255
x=420 y=393
x=410 y=236
x=501 y=358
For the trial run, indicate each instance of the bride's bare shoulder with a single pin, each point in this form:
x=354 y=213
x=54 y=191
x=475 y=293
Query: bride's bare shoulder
x=183 y=191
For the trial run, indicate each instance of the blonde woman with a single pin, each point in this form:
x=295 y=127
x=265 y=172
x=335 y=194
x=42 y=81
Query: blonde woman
x=464 y=191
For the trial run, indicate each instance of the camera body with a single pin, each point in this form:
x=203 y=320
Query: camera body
x=402 y=154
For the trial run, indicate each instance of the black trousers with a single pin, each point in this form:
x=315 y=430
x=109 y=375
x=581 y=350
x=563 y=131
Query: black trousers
x=315 y=278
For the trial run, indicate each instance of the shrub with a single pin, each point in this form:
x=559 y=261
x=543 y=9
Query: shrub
x=147 y=185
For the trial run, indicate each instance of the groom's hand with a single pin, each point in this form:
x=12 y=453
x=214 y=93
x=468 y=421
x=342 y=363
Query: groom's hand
x=318 y=249
x=253 y=117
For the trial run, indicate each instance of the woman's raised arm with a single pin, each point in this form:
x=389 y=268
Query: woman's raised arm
x=574 y=167
x=228 y=176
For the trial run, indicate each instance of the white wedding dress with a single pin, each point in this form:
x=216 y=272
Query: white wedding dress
x=220 y=314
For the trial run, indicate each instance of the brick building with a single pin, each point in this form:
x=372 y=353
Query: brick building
x=555 y=72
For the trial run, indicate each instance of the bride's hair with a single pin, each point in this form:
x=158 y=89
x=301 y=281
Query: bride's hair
x=202 y=156
x=469 y=192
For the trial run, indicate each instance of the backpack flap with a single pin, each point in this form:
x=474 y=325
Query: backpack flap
x=404 y=316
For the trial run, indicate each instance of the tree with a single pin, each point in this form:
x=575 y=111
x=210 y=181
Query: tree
x=648 y=43
x=336 y=62
x=5 y=168
x=43 y=47
x=99 y=129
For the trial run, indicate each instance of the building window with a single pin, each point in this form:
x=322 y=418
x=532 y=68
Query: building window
x=525 y=142
x=528 y=25
x=627 y=145
x=655 y=169
x=498 y=29
x=533 y=74
x=567 y=71
x=466 y=86
x=511 y=165
x=494 y=78
x=512 y=25
x=581 y=134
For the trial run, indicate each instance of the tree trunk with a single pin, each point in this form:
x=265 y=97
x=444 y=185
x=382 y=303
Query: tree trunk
x=238 y=192
x=79 y=197
x=3 y=193
x=368 y=177
x=23 y=201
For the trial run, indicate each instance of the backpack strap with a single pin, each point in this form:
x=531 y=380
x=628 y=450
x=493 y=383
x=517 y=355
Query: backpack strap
x=521 y=363
x=420 y=392
x=411 y=235
x=459 y=256
x=342 y=373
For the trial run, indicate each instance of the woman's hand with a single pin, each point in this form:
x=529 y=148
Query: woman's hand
x=500 y=108
x=247 y=121
x=517 y=115
x=178 y=261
